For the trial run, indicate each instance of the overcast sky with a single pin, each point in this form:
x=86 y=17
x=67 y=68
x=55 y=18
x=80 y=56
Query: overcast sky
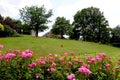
x=66 y=8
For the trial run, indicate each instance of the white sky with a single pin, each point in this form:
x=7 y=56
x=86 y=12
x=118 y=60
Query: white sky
x=66 y=8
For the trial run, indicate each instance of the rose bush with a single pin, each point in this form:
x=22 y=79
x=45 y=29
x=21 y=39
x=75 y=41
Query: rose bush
x=21 y=65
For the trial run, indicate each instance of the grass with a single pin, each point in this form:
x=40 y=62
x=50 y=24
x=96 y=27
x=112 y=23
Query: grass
x=44 y=46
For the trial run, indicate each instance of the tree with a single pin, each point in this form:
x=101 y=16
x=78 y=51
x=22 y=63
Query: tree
x=115 y=40
x=9 y=21
x=36 y=17
x=61 y=26
x=1 y=19
x=91 y=25
x=19 y=26
x=12 y=23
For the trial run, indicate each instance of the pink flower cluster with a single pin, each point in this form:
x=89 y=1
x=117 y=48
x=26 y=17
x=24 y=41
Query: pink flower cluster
x=53 y=64
x=71 y=76
x=84 y=70
x=14 y=51
x=1 y=57
x=37 y=75
x=32 y=65
x=70 y=63
x=51 y=69
x=41 y=62
x=9 y=55
x=107 y=65
x=99 y=57
x=1 y=46
x=27 y=54
x=72 y=53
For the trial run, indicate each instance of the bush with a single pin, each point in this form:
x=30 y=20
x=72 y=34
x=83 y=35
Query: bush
x=117 y=44
x=8 y=32
x=21 y=65
x=1 y=27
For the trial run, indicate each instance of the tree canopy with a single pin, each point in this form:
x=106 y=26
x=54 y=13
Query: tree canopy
x=36 y=17
x=61 y=26
x=115 y=40
x=91 y=25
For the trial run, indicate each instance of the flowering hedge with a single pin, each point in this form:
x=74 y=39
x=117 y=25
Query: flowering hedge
x=21 y=65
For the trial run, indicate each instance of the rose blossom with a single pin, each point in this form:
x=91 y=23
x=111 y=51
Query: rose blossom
x=26 y=55
x=52 y=69
x=32 y=65
x=84 y=70
x=71 y=76
x=70 y=63
x=9 y=55
x=42 y=62
x=1 y=57
x=53 y=64
x=1 y=46
x=107 y=65
x=92 y=60
x=37 y=75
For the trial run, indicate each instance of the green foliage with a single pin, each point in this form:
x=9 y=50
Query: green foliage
x=12 y=23
x=9 y=21
x=21 y=65
x=115 y=40
x=19 y=26
x=91 y=25
x=1 y=27
x=8 y=32
x=61 y=26
x=1 y=19
x=25 y=29
x=36 y=17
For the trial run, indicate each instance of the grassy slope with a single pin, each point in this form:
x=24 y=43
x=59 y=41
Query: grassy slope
x=45 y=46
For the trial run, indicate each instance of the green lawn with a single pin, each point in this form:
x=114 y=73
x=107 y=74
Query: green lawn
x=44 y=46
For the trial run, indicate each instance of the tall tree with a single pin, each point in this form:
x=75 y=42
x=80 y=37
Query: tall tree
x=91 y=24
x=36 y=17
x=61 y=26
x=115 y=40
x=1 y=19
x=9 y=21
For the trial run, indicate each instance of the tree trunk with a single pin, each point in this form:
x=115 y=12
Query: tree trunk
x=62 y=36
x=36 y=33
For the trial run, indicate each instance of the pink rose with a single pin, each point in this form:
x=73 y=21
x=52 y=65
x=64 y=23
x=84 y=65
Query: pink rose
x=70 y=63
x=1 y=46
x=26 y=55
x=107 y=65
x=84 y=70
x=71 y=76
x=92 y=60
x=9 y=55
x=32 y=65
x=42 y=62
x=53 y=64
x=52 y=69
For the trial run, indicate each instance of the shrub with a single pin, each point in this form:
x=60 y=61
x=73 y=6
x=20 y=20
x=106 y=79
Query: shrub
x=1 y=27
x=21 y=65
x=8 y=32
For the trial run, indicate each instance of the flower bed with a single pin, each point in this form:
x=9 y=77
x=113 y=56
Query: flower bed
x=20 y=65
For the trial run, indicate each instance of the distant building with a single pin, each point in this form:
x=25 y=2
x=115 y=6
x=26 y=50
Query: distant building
x=33 y=32
x=48 y=34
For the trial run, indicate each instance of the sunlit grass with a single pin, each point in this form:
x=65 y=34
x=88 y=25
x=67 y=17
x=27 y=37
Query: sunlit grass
x=44 y=46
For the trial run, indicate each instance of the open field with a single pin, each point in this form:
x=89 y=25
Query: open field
x=44 y=46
